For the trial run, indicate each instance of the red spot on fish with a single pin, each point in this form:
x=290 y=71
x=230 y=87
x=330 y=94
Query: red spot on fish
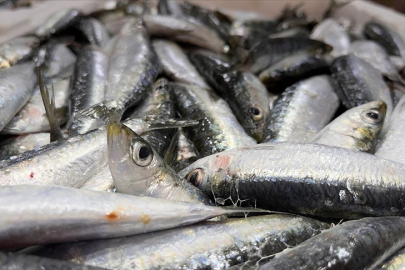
x=222 y=162
x=111 y=216
x=32 y=175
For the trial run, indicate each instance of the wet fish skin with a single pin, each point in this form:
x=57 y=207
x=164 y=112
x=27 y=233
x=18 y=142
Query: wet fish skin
x=17 y=49
x=32 y=116
x=285 y=177
x=302 y=110
x=358 y=128
x=245 y=94
x=137 y=169
x=392 y=42
x=14 y=261
x=255 y=237
x=185 y=152
x=292 y=69
x=360 y=244
x=77 y=215
x=100 y=181
x=358 y=83
x=57 y=22
x=395 y=262
x=16 y=87
x=18 y=145
x=175 y=63
x=88 y=86
x=375 y=55
x=218 y=129
x=259 y=57
x=330 y=32
x=93 y=30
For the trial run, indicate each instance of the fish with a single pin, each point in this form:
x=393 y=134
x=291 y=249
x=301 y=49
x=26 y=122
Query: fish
x=32 y=116
x=184 y=150
x=100 y=181
x=176 y=64
x=309 y=179
x=16 y=87
x=358 y=128
x=158 y=105
x=259 y=58
x=391 y=144
x=137 y=169
x=17 y=145
x=375 y=55
x=93 y=31
x=133 y=67
x=358 y=82
x=394 y=262
x=16 y=50
x=88 y=87
x=73 y=161
x=218 y=128
x=236 y=240
x=57 y=22
x=55 y=59
x=10 y=261
x=359 y=244
x=302 y=110
x=387 y=38
x=245 y=94
x=77 y=215
x=298 y=32
x=330 y=32
x=292 y=69
x=185 y=31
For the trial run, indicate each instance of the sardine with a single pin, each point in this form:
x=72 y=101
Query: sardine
x=185 y=31
x=309 y=179
x=358 y=128
x=375 y=55
x=88 y=87
x=302 y=110
x=391 y=41
x=218 y=128
x=32 y=117
x=245 y=94
x=395 y=262
x=185 y=152
x=73 y=215
x=330 y=32
x=101 y=181
x=292 y=69
x=392 y=145
x=175 y=63
x=137 y=169
x=17 y=49
x=57 y=22
x=298 y=32
x=270 y=51
x=360 y=244
x=9 y=261
x=211 y=245
x=16 y=86
x=18 y=145
x=93 y=31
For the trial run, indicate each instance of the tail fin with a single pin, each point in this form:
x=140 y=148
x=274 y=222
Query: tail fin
x=170 y=152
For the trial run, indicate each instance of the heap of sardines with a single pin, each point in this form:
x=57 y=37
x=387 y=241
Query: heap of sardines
x=164 y=135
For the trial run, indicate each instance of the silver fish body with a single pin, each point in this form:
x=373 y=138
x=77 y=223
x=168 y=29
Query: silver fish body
x=218 y=129
x=211 y=245
x=73 y=215
x=358 y=128
x=32 y=117
x=302 y=110
x=17 y=49
x=57 y=22
x=185 y=152
x=100 y=181
x=303 y=178
x=395 y=262
x=18 y=145
x=94 y=31
x=175 y=63
x=16 y=87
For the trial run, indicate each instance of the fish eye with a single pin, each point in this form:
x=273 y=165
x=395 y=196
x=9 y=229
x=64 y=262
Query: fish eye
x=142 y=154
x=195 y=177
x=256 y=113
x=372 y=116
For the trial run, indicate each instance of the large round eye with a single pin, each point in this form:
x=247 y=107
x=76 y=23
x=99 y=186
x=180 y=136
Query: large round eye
x=371 y=116
x=195 y=177
x=142 y=154
x=256 y=113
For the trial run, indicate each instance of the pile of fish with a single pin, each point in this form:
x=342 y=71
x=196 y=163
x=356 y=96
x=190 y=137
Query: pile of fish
x=164 y=135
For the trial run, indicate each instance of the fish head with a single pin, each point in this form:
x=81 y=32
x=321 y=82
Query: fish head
x=133 y=162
